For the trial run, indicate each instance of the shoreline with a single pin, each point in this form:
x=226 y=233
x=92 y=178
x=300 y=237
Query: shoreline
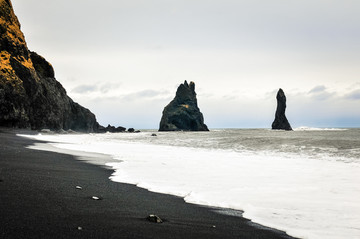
x=39 y=199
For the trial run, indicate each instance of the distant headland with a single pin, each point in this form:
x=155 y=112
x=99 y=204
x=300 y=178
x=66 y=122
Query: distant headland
x=30 y=96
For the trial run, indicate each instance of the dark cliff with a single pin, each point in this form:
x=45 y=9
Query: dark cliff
x=183 y=113
x=30 y=96
x=281 y=121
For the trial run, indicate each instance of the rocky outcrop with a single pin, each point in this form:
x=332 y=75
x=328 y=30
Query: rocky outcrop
x=182 y=113
x=111 y=129
x=30 y=96
x=281 y=121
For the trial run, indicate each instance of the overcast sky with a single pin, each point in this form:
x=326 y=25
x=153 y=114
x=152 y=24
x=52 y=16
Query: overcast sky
x=124 y=59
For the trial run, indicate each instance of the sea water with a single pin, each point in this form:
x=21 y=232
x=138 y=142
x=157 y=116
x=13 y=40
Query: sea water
x=304 y=182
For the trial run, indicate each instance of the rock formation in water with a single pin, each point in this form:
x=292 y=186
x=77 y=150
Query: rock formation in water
x=281 y=121
x=111 y=129
x=182 y=113
x=30 y=96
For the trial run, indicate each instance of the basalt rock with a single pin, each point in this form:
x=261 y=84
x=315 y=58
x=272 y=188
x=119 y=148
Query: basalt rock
x=154 y=218
x=281 y=121
x=183 y=113
x=111 y=129
x=30 y=96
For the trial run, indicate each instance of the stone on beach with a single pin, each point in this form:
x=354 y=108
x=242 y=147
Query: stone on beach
x=154 y=218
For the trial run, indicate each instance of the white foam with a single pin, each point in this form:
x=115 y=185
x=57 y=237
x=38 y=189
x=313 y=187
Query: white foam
x=307 y=198
x=306 y=128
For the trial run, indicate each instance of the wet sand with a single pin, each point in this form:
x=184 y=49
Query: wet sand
x=39 y=199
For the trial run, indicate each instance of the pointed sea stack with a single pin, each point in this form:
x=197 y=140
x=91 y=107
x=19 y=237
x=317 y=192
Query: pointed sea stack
x=182 y=113
x=30 y=96
x=281 y=121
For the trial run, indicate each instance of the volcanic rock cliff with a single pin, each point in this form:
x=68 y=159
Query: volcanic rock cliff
x=182 y=113
x=281 y=121
x=30 y=96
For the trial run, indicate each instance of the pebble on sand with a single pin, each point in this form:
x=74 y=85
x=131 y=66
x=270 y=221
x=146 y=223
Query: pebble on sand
x=154 y=218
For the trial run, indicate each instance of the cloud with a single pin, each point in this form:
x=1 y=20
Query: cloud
x=230 y=97
x=321 y=93
x=84 y=89
x=105 y=88
x=354 y=95
x=271 y=94
x=147 y=94
x=318 y=88
x=96 y=88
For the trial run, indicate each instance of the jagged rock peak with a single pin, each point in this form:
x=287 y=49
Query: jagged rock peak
x=191 y=85
x=30 y=96
x=183 y=113
x=186 y=92
x=281 y=121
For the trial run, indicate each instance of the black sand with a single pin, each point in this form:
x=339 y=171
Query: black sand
x=39 y=199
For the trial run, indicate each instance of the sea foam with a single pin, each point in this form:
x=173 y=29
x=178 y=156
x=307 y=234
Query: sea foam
x=306 y=197
x=306 y=128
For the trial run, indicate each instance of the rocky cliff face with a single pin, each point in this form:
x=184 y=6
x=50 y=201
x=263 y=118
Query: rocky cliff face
x=30 y=96
x=281 y=121
x=182 y=113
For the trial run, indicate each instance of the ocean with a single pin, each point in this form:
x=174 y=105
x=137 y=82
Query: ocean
x=304 y=182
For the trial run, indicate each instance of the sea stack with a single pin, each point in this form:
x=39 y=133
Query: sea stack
x=183 y=113
x=281 y=121
x=30 y=96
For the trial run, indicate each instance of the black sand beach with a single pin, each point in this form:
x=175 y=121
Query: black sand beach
x=39 y=199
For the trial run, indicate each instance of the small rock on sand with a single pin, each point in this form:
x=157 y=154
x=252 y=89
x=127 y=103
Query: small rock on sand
x=154 y=218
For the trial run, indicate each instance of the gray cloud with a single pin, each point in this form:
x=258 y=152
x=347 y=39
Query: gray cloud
x=354 y=95
x=84 y=89
x=109 y=86
x=146 y=94
x=271 y=94
x=92 y=88
x=319 y=88
x=321 y=93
